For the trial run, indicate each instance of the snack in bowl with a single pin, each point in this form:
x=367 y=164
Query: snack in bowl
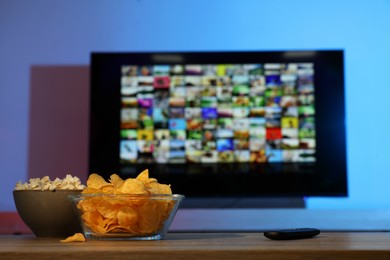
x=68 y=183
x=44 y=207
x=134 y=209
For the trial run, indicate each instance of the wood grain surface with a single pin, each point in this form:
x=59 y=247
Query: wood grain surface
x=338 y=245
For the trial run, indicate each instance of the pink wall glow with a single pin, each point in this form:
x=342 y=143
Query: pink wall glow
x=59 y=105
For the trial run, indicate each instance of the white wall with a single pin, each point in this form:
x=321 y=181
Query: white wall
x=64 y=32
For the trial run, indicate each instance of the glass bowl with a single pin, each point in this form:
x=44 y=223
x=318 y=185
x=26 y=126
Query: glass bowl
x=125 y=216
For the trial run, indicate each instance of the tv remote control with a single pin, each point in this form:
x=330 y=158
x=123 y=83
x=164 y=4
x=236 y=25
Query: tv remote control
x=293 y=233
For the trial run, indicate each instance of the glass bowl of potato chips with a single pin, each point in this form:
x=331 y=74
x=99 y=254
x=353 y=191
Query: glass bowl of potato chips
x=137 y=208
x=126 y=216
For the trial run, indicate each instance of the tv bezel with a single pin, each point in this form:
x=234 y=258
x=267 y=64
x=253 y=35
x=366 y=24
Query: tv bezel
x=326 y=177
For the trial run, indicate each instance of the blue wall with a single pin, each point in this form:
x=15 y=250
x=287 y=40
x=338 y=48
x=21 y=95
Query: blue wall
x=65 y=32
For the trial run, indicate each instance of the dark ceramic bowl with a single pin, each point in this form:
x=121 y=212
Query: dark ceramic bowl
x=48 y=213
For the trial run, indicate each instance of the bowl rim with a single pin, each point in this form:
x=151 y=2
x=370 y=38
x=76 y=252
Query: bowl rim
x=127 y=195
x=55 y=190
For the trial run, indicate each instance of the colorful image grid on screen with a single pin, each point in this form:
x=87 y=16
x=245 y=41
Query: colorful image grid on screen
x=251 y=113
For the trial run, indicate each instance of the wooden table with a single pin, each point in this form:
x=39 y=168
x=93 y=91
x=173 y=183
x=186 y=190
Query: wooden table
x=338 y=245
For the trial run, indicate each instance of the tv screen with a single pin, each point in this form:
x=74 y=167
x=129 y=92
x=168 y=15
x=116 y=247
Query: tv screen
x=222 y=124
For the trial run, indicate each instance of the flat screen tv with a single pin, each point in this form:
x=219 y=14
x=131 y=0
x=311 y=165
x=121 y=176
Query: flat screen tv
x=242 y=124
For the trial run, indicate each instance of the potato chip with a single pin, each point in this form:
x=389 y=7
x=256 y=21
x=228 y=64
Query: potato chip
x=116 y=181
x=89 y=190
x=125 y=214
x=165 y=208
x=87 y=206
x=157 y=188
x=110 y=224
x=127 y=217
x=107 y=209
x=108 y=189
x=143 y=176
x=96 y=181
x=77 y=237
x=96 y=221
x=149 y=218
x=132 y=186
